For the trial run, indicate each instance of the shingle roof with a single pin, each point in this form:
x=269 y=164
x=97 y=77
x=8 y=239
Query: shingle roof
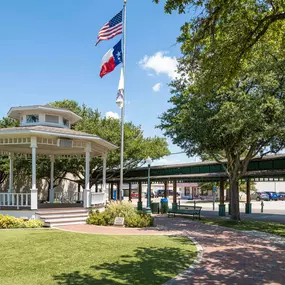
x=61 y=131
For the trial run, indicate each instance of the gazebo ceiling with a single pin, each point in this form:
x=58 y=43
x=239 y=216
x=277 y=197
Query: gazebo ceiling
x=51 y=140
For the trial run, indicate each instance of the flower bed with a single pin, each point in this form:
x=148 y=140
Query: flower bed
x=133 y=218
x=9 y=222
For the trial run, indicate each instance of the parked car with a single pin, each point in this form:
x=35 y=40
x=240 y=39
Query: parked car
x=272 y=195
x=281 y=196
x=152 y=195
x=160 y=193
x=262 y=196
x=135 y=195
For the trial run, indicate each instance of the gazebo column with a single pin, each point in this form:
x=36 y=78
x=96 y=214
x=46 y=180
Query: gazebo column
x=86 y=192
x=51 y=190
x=104 y=172
x=11 y=174
x=34 y=190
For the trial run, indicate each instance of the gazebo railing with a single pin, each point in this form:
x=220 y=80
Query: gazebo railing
x=68 y=197
x=15 y=200
x=97 y=198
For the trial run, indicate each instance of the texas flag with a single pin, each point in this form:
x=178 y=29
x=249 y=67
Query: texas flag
x=111 y=59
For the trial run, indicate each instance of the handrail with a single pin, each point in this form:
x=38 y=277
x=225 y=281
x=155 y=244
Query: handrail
x=97 y=198
x=15 y=200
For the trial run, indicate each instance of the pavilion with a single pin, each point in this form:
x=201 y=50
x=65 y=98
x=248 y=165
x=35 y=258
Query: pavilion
x=46 y=131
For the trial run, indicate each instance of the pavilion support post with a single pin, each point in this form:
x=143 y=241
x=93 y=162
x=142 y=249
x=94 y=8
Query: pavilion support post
x=222 y=207
x=130 y=192
x=248 y=200
x=112 y=191
x=11 y=174
x=174 y=204
x=34 y=190
x=51 y=190
x=86 y=192
x=140 y=196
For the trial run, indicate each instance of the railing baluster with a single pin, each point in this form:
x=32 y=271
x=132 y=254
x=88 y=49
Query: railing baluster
x=8 y=199
x=17 y=197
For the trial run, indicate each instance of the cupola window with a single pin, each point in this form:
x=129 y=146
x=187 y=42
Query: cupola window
x=31 y=119
x=66 y=122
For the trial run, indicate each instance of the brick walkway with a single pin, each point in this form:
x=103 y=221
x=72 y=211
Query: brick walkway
x=230 y=257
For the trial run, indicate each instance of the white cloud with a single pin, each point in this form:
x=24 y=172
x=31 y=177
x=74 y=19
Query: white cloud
x=160 y=63
x=156 y=87
x=112 y=115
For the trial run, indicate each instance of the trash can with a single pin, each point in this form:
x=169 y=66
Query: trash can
x=164 y=205
x=154 y=208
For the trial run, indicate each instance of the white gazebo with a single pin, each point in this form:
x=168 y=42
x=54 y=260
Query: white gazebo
x=45 y=130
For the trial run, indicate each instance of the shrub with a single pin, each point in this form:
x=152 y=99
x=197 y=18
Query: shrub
x=133 y=218
x=9 y=222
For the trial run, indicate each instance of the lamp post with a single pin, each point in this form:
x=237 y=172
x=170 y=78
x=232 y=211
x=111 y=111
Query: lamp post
x=148 y=210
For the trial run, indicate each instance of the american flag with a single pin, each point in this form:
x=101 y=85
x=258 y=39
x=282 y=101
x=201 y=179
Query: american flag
x=112 y=28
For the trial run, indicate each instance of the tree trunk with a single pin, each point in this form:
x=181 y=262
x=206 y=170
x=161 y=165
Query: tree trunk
x=228 y=195
x=235 y=213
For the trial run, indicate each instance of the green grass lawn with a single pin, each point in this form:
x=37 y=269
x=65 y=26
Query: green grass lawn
x=43 y=257
x=267 y=227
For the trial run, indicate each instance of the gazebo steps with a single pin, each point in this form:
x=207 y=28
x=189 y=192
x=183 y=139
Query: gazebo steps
x=66 y=215
x=60 y=211
x=56 y=217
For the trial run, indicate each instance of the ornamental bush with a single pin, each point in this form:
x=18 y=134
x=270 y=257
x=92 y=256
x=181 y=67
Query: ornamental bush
x=9 y=222
x=133 y=218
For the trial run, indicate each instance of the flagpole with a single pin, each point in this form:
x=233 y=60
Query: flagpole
x=123 y=107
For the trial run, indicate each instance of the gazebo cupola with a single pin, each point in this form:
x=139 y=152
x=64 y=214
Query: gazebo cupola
x=46 y=130
x=43 y=115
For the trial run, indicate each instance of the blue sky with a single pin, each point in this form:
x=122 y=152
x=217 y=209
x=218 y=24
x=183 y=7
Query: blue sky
x=48 y=54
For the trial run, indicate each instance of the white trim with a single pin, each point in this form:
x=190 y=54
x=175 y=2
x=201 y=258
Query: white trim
x=109 y=145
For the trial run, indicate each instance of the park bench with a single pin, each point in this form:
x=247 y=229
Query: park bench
x=185 y=210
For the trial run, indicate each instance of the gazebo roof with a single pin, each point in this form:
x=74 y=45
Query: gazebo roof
x=49 y=136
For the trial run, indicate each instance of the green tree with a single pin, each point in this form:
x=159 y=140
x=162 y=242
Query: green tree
x=137 y=147
x=222 y=36
x=234 y=123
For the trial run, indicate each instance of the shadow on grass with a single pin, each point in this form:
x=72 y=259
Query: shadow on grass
x=145 y=266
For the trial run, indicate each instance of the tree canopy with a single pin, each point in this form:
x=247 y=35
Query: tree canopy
x=222 y=36
x=232 y=124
